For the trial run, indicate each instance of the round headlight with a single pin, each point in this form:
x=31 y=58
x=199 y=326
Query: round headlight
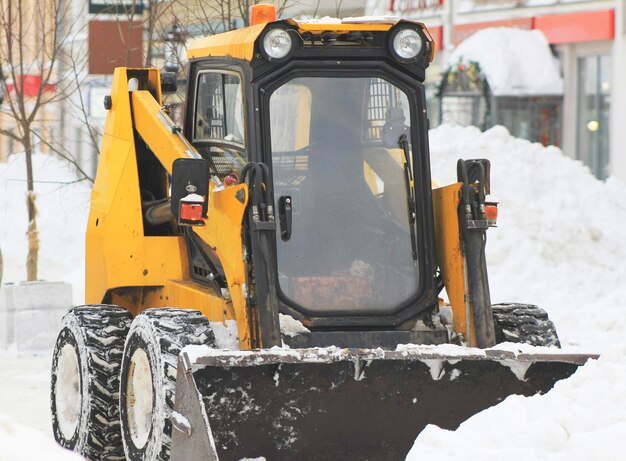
x=277 y=43
x=407 y=44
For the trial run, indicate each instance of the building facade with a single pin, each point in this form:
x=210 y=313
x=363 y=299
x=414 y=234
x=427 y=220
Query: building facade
x=587 y=36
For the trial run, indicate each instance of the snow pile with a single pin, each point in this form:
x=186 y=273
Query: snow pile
x=558 y=245
x=63 y=207
x=559 y=240
x=580 y=419
x=20 y=443
x=514 y=61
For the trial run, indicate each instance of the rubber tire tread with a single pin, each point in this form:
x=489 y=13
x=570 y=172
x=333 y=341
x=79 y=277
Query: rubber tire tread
x=173 y=329
x=104 y=329
x=524 y=323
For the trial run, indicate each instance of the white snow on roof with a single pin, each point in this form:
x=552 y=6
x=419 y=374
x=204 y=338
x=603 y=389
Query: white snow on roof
x=351 y=20
x=371 y=20
x=324 y=20
x=515 y=62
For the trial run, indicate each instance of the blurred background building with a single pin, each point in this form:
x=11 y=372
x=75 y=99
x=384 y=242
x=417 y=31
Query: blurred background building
x=580 y=43
x=588 y=39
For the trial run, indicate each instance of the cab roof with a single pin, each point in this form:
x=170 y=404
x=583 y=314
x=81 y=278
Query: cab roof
x=239 y=43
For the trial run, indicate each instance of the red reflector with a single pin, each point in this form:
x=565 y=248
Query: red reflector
x=491 y=214
x=262 y=13
x=190 y=212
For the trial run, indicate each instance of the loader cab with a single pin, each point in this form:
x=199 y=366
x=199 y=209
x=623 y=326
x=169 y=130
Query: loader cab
x=337 y=113
x=348 y=248
x=218 y=125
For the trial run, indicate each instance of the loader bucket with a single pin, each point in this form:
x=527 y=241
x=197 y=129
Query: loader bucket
x=348 y=404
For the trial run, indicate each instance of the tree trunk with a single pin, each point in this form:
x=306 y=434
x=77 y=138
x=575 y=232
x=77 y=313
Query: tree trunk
x=150 y=31
x=33 y=238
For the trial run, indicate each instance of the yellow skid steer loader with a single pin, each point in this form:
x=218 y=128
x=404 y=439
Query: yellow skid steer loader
x=264 y=281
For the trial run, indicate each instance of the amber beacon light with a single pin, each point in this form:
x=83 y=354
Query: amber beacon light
x=262 y=13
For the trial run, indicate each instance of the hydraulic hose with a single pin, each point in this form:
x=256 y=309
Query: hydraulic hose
x=472 y=173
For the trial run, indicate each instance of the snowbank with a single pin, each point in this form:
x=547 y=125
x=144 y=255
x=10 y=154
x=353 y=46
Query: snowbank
x=559 y=241
x=559 y=245
x=580 y=419
x=515 y=61
x=63 y=207
x=20 y=443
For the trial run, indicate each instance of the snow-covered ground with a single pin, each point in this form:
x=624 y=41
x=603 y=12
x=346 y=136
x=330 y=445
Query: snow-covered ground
x=25 y=390
x=21 y=443
x=558 y=245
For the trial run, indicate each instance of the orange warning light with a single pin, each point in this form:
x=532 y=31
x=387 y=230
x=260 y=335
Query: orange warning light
x=262 y=13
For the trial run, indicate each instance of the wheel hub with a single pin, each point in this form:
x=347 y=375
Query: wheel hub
x=139 y=399
x=67 y=394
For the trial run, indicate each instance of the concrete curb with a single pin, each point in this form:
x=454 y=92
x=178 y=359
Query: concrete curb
x=31 y=313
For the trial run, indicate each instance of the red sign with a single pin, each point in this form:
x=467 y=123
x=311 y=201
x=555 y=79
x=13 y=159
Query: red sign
x=577 y=27
x=114 y=44
x=30 y=86
x=464 y=31
x=437 y=34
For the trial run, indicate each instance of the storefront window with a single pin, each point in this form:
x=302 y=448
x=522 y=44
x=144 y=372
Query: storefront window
x=594 y=104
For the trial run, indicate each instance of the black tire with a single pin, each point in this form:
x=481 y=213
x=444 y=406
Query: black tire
x=85 y=381
x=155 y=340
x=524 y=323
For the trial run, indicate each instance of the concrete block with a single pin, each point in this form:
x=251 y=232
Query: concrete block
x=36 y=295
x=37 y=329
x=6 y=329
x=31 y=313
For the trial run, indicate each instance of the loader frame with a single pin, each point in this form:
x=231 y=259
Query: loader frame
x=135 y=265
x=167 y=228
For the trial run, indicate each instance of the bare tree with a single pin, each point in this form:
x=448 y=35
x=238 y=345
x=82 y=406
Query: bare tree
x=30 y=48
x=194 y=18
x=212 y=17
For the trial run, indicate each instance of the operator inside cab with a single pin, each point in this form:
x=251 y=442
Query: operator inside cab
x=336 y=156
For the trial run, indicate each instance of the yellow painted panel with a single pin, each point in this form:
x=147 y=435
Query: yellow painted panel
x=223 y=233
x=142 y=271
x=450 y=256
x=109 y=170
x=118 y=123
x=118 y=254
x=186 y=294
x=236 y=44
x=166 y=145
x=182 y=294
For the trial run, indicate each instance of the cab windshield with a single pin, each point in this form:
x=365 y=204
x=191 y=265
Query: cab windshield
x=337 y=160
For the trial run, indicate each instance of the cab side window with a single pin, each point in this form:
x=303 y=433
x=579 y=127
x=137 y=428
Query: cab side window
x=219 y=130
